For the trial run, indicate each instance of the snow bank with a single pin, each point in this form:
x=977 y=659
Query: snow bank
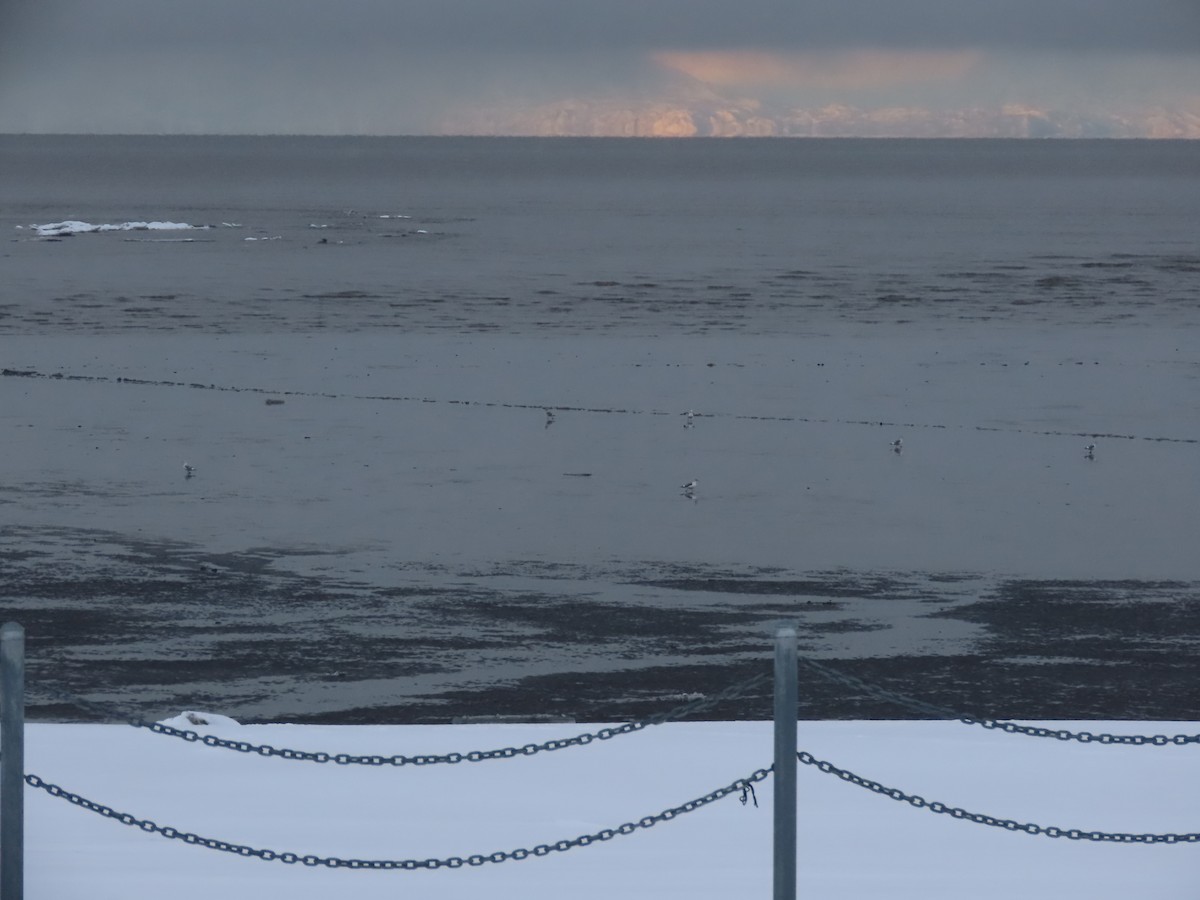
x=852 y=843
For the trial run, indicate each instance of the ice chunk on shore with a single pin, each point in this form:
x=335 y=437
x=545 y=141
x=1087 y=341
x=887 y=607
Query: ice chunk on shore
x=75 y=227
x=188 y=720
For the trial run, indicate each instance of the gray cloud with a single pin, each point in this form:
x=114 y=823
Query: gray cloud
x=395 y=65
x=478 y=25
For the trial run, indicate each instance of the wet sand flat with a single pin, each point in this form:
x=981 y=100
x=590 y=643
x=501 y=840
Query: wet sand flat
x=391 y=528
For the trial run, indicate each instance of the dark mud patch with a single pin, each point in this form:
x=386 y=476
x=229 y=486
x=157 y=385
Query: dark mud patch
x=159 y=626
x=1102 y=620
x=984 y=687
x=624 y=695
x=579 y=620
x=845 y=584
x=1103 y=649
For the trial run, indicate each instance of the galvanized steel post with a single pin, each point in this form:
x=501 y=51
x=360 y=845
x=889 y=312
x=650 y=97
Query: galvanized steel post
x=12 y=762
x=786 y=689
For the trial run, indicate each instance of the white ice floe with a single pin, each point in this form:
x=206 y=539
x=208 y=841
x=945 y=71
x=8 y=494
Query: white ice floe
x=76 y=227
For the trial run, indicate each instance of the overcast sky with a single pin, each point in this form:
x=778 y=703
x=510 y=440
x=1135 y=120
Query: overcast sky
x=401 y=66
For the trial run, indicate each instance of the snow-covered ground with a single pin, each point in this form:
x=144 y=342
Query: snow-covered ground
x=852 y=843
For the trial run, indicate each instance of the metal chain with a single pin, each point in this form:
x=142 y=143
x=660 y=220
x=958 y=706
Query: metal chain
x=744 y=785
x=934 y=806
x=940 y=712
x=1084 y=737
x=349 y=759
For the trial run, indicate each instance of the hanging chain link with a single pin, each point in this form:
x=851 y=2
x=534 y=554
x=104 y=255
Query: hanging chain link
x=940 y=712
x=934 y=806
x=1084 y=737
x=743 y=785
x=734 y=691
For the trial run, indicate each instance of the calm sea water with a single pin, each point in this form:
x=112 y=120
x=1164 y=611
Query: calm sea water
x=355 y=342
x=586 y=235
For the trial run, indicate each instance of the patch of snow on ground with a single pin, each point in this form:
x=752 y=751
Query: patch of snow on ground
x=852 y=843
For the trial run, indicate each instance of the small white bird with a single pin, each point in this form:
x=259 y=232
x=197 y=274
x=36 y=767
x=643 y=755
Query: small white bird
x=189 y=470
x=1089 y=452
x=690 y=486
x=689 y=423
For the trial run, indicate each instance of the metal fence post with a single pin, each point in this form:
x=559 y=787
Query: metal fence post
x=12 y=762
x=786 y=671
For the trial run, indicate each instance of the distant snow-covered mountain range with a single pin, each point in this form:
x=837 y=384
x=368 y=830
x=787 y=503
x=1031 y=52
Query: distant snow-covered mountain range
x=680 y=106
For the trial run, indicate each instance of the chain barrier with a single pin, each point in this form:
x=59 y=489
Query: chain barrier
x=1075 y=834
x=348 y=759
x=744 y=785
x=940 y=712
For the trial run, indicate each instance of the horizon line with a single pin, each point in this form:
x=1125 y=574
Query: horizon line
x=604 y=137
